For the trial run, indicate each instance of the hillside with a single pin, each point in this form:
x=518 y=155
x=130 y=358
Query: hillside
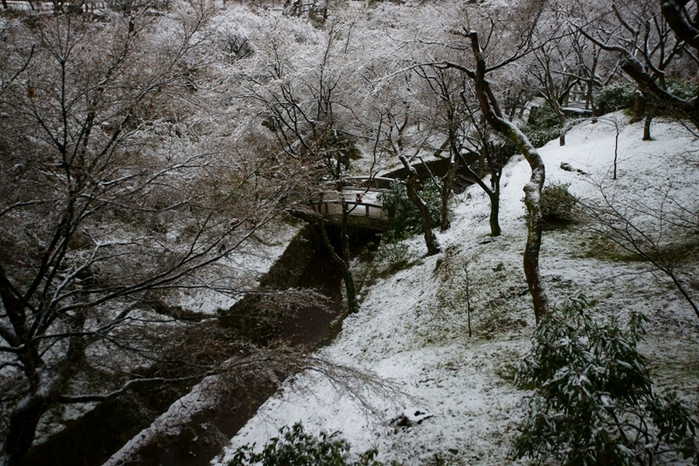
x=168 y=169
x=411 y=330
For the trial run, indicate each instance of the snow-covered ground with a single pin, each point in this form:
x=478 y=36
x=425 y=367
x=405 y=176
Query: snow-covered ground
x=244 y=267
x=412 y=327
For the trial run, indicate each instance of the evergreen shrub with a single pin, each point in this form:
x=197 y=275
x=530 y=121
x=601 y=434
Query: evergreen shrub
x=557 y=203
x=404 y=217
x=295 y=447
x=682 y=88
x=542 y=118
x=593 y=400
x=539 y=137
x=615 y=97
x=542 y=126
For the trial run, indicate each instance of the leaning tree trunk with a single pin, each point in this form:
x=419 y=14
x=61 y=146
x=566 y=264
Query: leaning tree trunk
x=532 y=190
x=343 y=262
x=430 y=239
x=23 y=422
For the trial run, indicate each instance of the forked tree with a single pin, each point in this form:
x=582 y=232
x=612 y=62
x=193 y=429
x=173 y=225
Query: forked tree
x=532 y=190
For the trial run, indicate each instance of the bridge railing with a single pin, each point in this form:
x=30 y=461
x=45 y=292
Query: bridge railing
x=358 y=209
x=375 y=183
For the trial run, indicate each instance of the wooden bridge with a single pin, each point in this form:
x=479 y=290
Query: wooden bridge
x=361 y=195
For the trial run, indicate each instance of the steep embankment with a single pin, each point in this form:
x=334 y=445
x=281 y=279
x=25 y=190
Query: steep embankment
x=412 y=328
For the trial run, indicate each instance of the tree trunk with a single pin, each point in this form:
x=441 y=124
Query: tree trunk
x=646 y=126
x=556 y=106
x=493 y=194
x=481 y=160
x=23 y=421
x=562 y=121
x=430 y=239
x=639 y=108
x=447 y=183
x=343 y=263
x=495 y=213
x=651 y=89
x=532 y=190
x=590 y=102
x=346 y=272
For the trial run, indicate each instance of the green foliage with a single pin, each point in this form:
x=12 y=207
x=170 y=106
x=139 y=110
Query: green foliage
x=615 y=97
x=542 y=126
x=295 y=447
x=542 y=118
x=682 y=89
x=594 y=402
x=557 y=203
x=539 y=137
x=404 y=217
x=504 y=150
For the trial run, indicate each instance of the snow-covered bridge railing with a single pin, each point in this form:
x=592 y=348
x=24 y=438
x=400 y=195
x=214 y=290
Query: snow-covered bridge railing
x=361 y=195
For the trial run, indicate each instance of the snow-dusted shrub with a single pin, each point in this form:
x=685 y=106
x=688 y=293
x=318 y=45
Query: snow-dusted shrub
x=682 y=88
x=295 y=447
x=542 y=118
x=539 y=137
x=542 y=126
x=615 y=97
x=557 y=203
x=593 y=400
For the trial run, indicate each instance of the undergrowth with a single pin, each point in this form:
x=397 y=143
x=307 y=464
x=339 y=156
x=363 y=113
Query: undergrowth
x=295 y=447
x=594 y=402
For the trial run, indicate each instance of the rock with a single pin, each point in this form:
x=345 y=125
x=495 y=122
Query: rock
x=411 y=417
x=569 y=168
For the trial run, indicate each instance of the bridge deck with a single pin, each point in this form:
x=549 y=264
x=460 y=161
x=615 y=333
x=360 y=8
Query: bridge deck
x=363 y=206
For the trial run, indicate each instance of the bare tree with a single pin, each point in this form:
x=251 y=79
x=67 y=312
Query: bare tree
x=466 y=133
x=650 y=38
x=303 y=111
x=106 y=206
x=552 y=79
x=412 y=187
x=532 y=191
x=491 y=162
x=447 y=120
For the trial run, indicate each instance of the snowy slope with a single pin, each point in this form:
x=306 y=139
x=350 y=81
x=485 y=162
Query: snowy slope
x=411 y=329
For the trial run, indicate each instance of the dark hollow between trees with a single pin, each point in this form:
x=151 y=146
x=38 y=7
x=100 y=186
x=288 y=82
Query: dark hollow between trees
x=94 y=437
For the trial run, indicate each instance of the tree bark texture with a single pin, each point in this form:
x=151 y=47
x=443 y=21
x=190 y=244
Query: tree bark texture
x=447 y=183
x=639 y=108
x=430 y=240
x=683 y=27
x=684 y=108
x=23 y=421
x=532 y=190
x=343 y=262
